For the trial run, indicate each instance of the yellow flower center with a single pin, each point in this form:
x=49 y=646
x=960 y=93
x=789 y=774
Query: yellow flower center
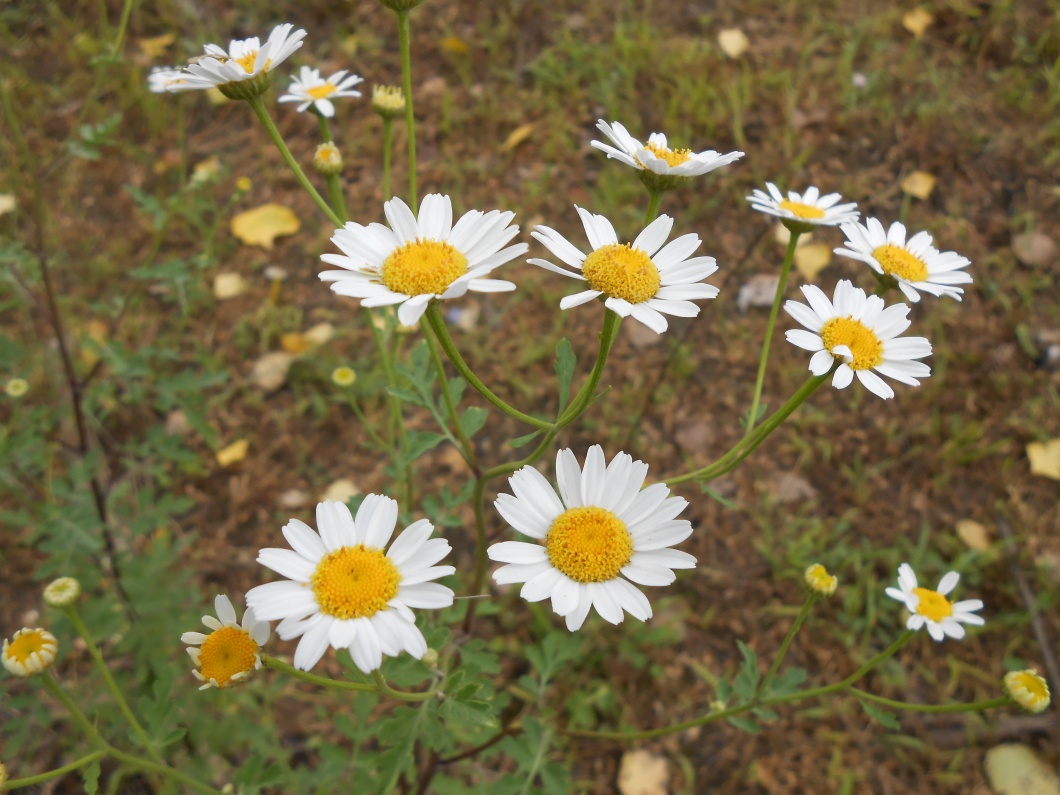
x=862 y=341
x=247 y=62
x=355 y=582
x=589 y=544
x=623 y=272
x=1037 y=689
x=932 y=604
x=423 y=267
x=800 y=210
x=25 y=645
x=227 y=652
x=673 y=157
x=322 y=91
x=899 y=262
x=819 y=580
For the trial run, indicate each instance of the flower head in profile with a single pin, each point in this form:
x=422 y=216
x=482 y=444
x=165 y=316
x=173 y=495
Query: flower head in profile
x=660 y=167
x=861 y=334
x=803 y=210
x=388 y=101
x=415 y=260
x=309 y=88
x=242 y=71
x=29 y=652
x=62 y=593
x=344 y=589
x=1028 y=689
x=161 y=77
x=820 y=581
x=597 y=534
x=229 y=653
x=644 y=278
x=915 y=265
x=931 y=608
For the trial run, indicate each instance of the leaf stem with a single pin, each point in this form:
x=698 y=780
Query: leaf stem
x=40 y=778
x=321 y=681
x=907 y=706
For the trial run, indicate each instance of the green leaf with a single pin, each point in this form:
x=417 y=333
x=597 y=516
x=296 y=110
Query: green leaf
x=456 y=389
x=732 y=506
x=888 y=719
x=746 y=682
x=746 y=723
x=565 y=361
x=407 y=396
x=90 y=775
x=468 y=714
x=786 y=683
x=519 y=441
x=422 y=441
x=472 y=420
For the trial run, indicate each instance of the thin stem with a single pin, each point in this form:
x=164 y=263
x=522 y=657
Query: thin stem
x=410 y=119
x=612 y=321
x=313 y=679
x=973 y=706
x=746 y=446
x=112 y=686
x=270 y=127
x=789 y=257
x=86 y=726
x=443 y=382
x=40 y=778
x=401 y=695
x=437 y=323
x=653 y=207
x=397 y=426
x=792 y=632
x=123 y=24
x=163 y=770
x=334 y=181
x=388 y=142
x=478 y=582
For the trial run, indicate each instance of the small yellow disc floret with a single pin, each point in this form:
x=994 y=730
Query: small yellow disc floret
x=589 y=544
x=247 y=61
x=899 y=262
x=862 y=341
x=932 y=605
x=355 y=582
x=800 y=210
x=622 y=271
x=225 y=654
x=423 y=267
x=322 y=91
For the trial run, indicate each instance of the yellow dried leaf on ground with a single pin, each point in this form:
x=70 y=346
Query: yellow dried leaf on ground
x=295 y=342
x=154 y=47
x=7 y=203
x=1045 y=458
x=455 y=45
x=320 y=334
x=812 y=259
x=643 y=773
x=919 y=184
x=1016 y=769
x=233 y=454
x=517 y=136
x=228 y=285
x=269 y=372
x=917 y=21
x=974 y=534
x=733 y=42
x=341 y=490
x=262 y=225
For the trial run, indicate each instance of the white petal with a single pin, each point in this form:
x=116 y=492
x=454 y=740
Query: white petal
x=287 y=564
x=410 y=541
x=517 y=552
x=568 y=475
x=948 y=582
x=304 y=541
x=225 y=612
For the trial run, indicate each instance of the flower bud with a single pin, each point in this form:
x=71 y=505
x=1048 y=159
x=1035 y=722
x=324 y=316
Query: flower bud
x=16 y=387
x=1028 y=689
x=63 y=592
x=388 y=101
x=820 y=581
x=430 y=659
x=328 y=159
x=343 y=376
x=29 y=652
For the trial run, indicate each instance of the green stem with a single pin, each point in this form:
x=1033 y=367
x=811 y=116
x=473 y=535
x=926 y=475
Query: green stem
x=653 y=207
x=437 y=324
x=40 y=778
x=974 y=706
x=334 y=181
x=163 y=770
x=478 y=581
x=410 y=119
x=746 y=446
x=401 y=695
x=397 y=426
x=270 y=127
x=123 y=24
x=78 y=717
x=112 y=686
x=450 y=407
x=313 y=679
x=792 y=632
x=789 y=257
x=612 y=321
x=388 y=140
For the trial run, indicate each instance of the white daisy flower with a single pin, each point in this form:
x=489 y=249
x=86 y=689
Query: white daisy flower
x=656 y=156
x=642 y=278
x=415 y=260
x=310 y=88
x=229 y=654
x=862 y=334
x=601 y=525
x=810 y=208
x=160 y=78
x=343 y=590
x=29 y=652
x=914 y=264
x=244 y=60
x=931 y=608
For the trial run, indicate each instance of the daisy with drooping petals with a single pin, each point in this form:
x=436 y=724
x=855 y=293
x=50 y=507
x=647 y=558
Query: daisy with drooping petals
x=599 y=532
x=416 y=260
x=243 y=61
x=656 y=156
x=229 y=654
x=862 y=334
x=343 y=589
x=310 y=88
x=29 y=652
x=643 y=278
x=807 y=209
x=160 y=78
x=914 y=264
x=931 y=608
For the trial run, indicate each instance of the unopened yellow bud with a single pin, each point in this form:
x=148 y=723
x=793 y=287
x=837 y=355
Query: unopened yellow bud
x=820 y=581
x=1028 y=689
x=63 y=592
x=343 y=376
x=388 y=101
x=328 y=159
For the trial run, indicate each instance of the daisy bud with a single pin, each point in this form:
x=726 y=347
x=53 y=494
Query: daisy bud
x=62 y=593
x=328 y=159
x=243 y=184
x=343 y=376
x=820 y=581
x=16 y=387
x=1028 y=689
x=29 y=652
x=388 y=101
x=430 y=659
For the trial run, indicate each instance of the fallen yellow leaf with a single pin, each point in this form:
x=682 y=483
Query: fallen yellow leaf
x=341 y=490
x=919 y=184
x=455 y=45
x=269 y=372
x=295 y=342
x=975 y=535
x=228 y=285
x=262 y=225
x=96 y=331
x=917 y=21
x=1016 y=769
x=643 y=773
x=7 y=203
x=517 y=136
x=1045 y=458
x=320 y=334
x=154 y=47
x=733 y=42
x=233 y=454
x=812 y=259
